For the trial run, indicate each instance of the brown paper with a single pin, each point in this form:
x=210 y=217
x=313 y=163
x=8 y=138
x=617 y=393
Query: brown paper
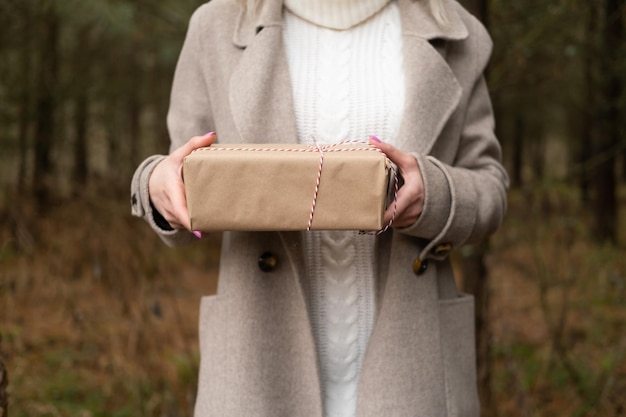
x=272 y=187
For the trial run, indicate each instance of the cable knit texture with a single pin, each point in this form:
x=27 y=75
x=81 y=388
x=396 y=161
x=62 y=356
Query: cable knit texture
x=347 y=85
x=335 y=14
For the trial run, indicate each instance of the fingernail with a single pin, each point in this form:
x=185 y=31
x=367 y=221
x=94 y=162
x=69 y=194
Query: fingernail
x=197 y=234
x=375 y=139
x=208 y=134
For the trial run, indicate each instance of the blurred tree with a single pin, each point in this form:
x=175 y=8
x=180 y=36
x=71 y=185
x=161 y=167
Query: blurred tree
x=608 y=134
x=25 y=97
x=84 y=88
x=537 y=86
x=589 y=63
x=82 y=62
x=46 y=100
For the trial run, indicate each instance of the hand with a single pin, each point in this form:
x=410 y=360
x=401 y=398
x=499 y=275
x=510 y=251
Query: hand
x=410 y=202
x=166 y=188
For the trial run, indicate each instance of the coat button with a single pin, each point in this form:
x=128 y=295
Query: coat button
x=267 y=262
x=442 y=249
x=420 y=266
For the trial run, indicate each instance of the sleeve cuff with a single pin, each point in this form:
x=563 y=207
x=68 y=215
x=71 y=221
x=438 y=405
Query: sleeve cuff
x=139 y=196
x=141 y=206
x=437 y=201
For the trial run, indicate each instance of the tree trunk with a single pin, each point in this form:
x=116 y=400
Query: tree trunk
x=518 y=152
x=603 y=175
x=81 y=109
x=46 y=103
x=112 y=126
x=81 y=115
x=588 y=127
x=134 y=119
x=479 y=8
x=538 y=153
x=133 y=110
x=25 y=103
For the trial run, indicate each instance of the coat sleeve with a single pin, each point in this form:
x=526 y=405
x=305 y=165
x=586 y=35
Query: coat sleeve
x=188 y=116
x=465 y=200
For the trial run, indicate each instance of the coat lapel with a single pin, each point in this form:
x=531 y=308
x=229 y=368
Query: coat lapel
x=405 y=341
x=260 y=91
x=261 y=98
x=432 y=92
x=262 y=106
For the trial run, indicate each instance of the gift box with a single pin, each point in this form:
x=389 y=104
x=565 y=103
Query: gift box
x=265 y=187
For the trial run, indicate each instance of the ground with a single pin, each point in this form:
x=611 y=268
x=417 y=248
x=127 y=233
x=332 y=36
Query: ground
x=99 y=318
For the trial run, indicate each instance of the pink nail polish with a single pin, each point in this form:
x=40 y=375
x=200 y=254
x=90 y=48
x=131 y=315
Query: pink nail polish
x=197 y=234
x=375 y=139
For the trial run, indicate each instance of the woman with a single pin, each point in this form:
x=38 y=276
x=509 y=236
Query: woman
x=337 y=323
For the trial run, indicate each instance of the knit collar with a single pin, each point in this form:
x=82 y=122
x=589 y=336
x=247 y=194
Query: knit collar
x=335 y=14
x=417 y=21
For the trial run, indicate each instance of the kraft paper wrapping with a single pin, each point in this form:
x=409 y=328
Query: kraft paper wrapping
x=267 y=187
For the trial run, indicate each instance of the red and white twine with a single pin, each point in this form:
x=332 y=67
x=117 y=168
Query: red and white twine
x=321 y=149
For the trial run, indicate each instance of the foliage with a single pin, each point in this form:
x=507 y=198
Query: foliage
x=546 y=79
x=110 y=55
x=557 y=313
x=99 y=319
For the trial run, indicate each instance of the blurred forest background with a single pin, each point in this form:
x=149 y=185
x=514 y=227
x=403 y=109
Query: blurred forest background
x=99 y=318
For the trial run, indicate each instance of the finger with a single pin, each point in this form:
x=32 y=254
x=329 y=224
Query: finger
x=204 y=140
x=180 y=205
x=397 y=211
x=200 y=142
x=192 y=144
x=167 y=193
x=403 y=160
x=179 y=208
x=176 y=214
x=176 y=207
x=408 y=203
x=183 y=218
x=389 y=218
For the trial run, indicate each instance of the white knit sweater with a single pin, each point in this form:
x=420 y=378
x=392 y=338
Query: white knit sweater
x=347 y=85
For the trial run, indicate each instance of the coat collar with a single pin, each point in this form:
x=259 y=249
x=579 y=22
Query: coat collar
x=428 y=75
x=416 y=21
x=252 y=21
x=260 y=91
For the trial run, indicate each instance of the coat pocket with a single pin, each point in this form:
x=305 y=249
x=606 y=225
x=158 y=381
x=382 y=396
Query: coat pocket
x=459 y=355
x=209 y=400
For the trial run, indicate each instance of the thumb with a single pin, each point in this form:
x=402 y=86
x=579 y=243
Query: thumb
x=192 y=144
x=201 y=141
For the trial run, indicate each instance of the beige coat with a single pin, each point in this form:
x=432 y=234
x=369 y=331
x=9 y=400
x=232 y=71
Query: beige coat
x=258 y=354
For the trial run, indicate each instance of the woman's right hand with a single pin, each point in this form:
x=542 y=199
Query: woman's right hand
x=166 y=188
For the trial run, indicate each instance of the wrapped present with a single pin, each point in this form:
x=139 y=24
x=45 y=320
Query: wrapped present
x=265 y=187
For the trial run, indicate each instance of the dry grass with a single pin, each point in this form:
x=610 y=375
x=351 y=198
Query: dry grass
x=558 y=312
x=99 y=318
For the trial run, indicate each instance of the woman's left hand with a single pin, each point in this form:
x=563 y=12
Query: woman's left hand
x=410 y=201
